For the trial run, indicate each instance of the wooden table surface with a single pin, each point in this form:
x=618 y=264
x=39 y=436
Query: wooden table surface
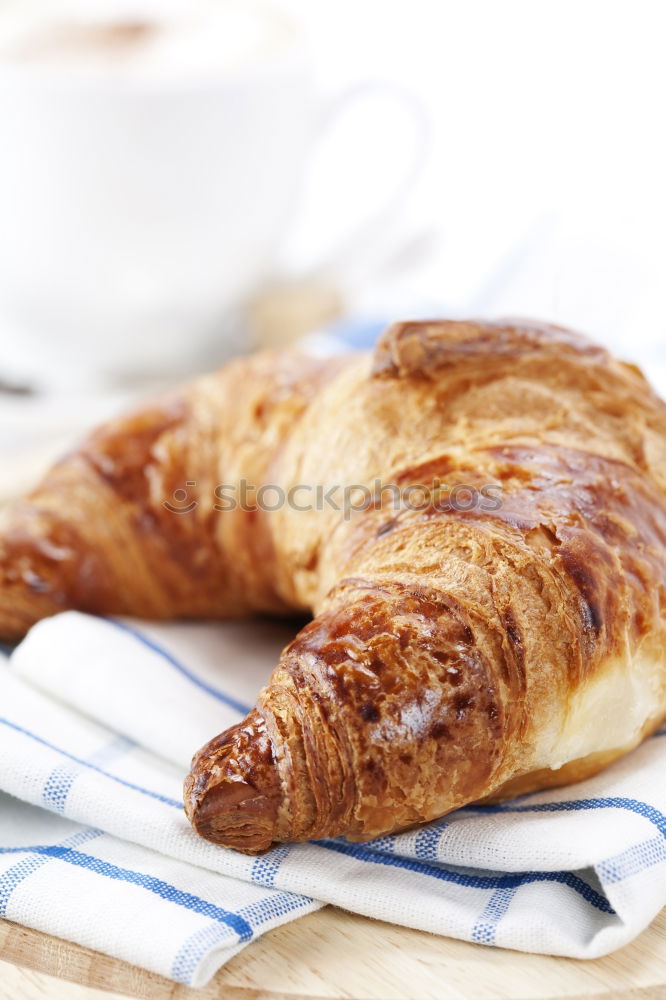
x=332 y=955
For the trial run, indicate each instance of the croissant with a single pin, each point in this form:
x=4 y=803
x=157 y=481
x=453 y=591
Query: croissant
x=465 y=646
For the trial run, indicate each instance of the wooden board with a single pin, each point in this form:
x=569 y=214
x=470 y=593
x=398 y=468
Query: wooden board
x=332 y=955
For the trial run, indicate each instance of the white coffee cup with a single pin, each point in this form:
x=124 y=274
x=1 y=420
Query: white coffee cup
x=149 y=167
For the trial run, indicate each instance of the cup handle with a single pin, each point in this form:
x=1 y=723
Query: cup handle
x=354 y=241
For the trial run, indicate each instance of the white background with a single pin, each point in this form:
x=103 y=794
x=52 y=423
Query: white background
x=541 y=191
x=545 y=176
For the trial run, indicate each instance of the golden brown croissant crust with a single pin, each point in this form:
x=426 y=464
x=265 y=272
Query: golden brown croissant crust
x=455 y=654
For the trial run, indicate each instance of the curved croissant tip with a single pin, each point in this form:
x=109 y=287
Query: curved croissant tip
x=232 y=793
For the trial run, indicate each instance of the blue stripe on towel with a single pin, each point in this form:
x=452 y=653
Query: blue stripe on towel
x=507 y=881
x=427 y=840
x=231 y=702
x=632 y=861
x=643 y=809
x=60 y=781
x=385 y=843
x=58 y=785
x=204 y=940
x=157 y=886
x=18 y=873
x=485 y=928
x=266 y=866
x=273 y=906
x=193 y=949
x=177 y=804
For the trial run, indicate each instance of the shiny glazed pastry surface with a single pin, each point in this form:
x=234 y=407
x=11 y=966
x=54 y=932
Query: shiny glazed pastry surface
x=457 y=653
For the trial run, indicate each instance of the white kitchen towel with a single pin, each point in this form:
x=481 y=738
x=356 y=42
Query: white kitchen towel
x=98 y=719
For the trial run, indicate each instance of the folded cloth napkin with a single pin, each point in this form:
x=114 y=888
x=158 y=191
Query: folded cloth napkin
x=98 y=719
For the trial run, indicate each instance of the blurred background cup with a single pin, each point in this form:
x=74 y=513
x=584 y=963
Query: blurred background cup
x=151 y=161
x=149 y=165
